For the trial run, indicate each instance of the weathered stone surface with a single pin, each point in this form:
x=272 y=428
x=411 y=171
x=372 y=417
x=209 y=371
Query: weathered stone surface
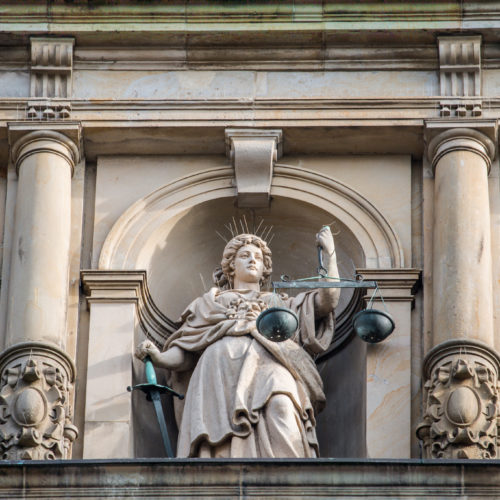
x=354 y=87
x=461 y=412
x=36 y=395
x=242 y=479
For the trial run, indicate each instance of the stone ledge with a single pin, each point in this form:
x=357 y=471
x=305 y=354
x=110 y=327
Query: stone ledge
x=191 y=16
x=250 y=478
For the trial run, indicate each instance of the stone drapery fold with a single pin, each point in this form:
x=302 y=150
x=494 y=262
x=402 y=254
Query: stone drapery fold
x=238 y=371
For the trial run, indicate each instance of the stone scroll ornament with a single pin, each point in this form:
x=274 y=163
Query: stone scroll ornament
x=461 y=416
x=35 y=410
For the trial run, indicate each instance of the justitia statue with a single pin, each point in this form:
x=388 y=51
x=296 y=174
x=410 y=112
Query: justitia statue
x=247 y=396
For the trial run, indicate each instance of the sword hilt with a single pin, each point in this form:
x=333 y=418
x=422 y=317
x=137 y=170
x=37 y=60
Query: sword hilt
x=150 y=371
x=152 y=384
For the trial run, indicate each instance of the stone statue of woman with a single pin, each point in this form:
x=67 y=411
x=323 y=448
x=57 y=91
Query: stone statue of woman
x=247 y=396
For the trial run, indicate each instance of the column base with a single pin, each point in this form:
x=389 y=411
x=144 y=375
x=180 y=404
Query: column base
x=460 y=401
x=36 y=385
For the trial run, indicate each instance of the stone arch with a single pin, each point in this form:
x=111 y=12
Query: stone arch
x=127 y=244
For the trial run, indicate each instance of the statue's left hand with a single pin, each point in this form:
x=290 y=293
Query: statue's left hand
x=324 y=239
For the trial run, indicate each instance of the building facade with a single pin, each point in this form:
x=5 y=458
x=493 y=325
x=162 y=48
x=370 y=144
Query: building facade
x=132 y=133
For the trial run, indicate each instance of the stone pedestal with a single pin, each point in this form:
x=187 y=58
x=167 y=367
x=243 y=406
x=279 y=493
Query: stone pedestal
x=36 y=375
x=461 y=369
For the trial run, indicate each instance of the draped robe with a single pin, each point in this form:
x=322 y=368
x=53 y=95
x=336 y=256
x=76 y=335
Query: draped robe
x=226 y=412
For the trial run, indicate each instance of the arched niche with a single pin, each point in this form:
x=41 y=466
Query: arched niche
x=138 y=233
x=176 y=233
x=172 y=234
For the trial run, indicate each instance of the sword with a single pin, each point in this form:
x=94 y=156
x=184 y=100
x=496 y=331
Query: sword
x=153 y=390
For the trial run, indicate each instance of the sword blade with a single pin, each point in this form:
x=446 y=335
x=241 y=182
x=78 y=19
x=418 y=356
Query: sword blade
x=155 y=397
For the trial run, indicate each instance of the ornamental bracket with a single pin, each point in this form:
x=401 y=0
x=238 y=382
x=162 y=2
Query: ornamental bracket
x=253 y=153
x=51 y=78
x=460 y=76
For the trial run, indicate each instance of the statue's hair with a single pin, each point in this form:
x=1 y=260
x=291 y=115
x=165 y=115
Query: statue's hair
x=224 y=276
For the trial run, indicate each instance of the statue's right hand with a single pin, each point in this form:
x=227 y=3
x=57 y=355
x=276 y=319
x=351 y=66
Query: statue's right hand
x=147 y=348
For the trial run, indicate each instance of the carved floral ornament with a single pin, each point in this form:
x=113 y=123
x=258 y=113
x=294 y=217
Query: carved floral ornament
x=460 y=402
x=35 y=403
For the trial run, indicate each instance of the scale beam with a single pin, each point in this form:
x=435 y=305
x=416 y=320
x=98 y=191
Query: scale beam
x=324 y=284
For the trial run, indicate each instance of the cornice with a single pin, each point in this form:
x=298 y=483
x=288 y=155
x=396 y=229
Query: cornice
x=105 y=286
x=139 y=111
x=191 y=16
x=136 y=110
x=336 y=126
x=295 y=478
x=11 y=109
x=397 y=285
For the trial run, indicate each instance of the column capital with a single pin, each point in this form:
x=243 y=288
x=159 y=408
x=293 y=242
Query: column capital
x=63 y=139
x=478 y=136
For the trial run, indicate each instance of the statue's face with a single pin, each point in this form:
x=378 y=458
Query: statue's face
x=248 y=264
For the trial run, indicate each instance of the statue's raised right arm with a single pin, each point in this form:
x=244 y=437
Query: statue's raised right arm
x=327 y=298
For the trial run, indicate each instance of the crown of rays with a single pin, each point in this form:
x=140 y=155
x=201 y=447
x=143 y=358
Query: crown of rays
x=233 y=228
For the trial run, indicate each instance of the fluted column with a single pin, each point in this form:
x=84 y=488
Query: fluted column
x=36 y=373
x=461 y=368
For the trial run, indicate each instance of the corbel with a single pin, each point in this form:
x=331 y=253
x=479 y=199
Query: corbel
x=253 y=153
x=51 y=78
x=460 y=76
